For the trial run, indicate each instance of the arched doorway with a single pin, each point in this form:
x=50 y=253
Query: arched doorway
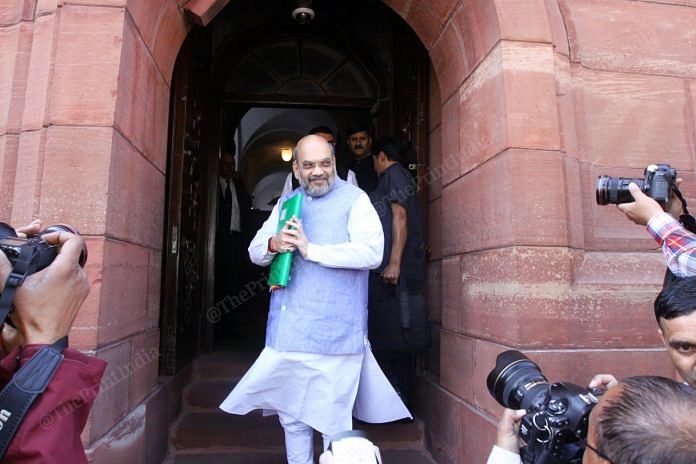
x=264 y=83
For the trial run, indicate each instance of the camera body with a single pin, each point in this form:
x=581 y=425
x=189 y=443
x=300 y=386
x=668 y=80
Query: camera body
x=555 y=426
x=41 y=254
x=657 y=184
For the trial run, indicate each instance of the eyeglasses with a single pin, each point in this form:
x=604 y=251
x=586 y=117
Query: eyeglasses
x=596 y=451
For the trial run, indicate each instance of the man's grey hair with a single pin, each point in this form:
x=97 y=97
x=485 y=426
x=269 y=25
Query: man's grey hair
x=650 y=421
x=295 y=151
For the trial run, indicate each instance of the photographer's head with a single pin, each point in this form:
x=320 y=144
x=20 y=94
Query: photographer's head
x=644 y=420
x=675 y=311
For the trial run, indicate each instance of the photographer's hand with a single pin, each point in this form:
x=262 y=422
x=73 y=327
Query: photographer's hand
x=642 y=209
x=46 y=304
x=11 y=337
x=604 y=381
x=508 y=429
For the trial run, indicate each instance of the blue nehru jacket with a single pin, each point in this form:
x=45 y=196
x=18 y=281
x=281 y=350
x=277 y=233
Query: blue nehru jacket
x=322 y=310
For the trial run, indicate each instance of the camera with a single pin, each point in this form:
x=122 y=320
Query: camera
x=555 y=426
x=657 y=184
x=353 y=447
x=39 y=253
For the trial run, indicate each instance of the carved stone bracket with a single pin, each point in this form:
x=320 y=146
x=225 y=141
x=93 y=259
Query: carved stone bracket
x=201 y=12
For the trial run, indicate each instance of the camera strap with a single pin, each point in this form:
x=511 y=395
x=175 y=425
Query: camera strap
x=30 y=380
x=687 y=220
x=14 y=281
x=26 y=385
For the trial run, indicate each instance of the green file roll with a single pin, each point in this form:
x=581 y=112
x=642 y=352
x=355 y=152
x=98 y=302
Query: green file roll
x=282 y=263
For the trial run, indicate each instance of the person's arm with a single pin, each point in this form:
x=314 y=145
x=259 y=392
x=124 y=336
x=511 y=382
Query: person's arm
x=259 y=251
x=45 y=307
x=507 y=443
x=399 y=233
x=502 y=456
x=362 y=251
x=678 y=244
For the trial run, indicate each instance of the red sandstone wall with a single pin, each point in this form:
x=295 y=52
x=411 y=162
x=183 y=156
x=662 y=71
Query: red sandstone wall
x=84 y=101
x=530 y=101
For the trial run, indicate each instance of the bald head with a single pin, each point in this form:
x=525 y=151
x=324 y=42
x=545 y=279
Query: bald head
x=314 y=165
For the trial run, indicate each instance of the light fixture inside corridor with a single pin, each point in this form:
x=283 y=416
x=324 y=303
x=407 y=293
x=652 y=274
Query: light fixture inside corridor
x=286 y=154
x=304 y=13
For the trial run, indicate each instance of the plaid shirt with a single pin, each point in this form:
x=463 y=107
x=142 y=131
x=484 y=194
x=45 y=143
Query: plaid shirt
x=678 y=244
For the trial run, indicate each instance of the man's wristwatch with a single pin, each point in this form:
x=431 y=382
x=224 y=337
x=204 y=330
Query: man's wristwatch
x=270 y=248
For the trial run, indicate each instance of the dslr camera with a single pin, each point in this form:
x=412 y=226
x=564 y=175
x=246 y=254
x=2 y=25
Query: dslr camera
x=33 y=252
x=658 y=184
x=555 y=426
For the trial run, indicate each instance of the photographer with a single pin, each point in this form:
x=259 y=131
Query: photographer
x=45 y=307
x=643 y=420
x=678 y=244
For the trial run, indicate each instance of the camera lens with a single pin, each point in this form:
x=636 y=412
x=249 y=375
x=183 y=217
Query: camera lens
x=614 y=190
x=515 y=381
x=72 y=230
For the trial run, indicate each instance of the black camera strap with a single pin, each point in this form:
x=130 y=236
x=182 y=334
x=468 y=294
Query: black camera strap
x=687 y=220
x=26 y=385
x=30 y=380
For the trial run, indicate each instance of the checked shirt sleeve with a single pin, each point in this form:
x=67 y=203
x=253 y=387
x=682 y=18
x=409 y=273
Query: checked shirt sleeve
x=678 y=244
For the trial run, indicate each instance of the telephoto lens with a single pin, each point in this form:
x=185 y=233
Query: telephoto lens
x=614 y=190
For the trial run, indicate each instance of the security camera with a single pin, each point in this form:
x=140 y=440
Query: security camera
x=304 y=13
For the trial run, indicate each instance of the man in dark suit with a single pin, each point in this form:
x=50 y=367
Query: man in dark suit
x=232 y=218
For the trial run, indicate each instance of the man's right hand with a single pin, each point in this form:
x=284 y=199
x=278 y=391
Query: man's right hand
x=642 y=209
x=508 y=430
x=46 y=304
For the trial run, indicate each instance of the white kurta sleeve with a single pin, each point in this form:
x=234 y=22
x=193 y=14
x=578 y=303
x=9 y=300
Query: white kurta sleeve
x=503 y=456
x=287 y=186
x=365 y=246
x=258 y=248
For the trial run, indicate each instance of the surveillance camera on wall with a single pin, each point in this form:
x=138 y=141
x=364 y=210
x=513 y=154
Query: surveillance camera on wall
x=304 y=13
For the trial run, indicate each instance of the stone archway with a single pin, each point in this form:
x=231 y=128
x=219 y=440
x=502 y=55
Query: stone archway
x=530 y=97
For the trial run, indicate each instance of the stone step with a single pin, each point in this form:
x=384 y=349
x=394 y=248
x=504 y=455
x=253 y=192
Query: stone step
x=204 y=395
x=388 y=457
x=201 y=431
x=223 y=364
x=207 y=430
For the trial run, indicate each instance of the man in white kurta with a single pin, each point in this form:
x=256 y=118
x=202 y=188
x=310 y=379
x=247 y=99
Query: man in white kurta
x=317 y=370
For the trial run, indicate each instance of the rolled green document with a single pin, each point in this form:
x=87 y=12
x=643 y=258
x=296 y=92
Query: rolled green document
x=282 y=263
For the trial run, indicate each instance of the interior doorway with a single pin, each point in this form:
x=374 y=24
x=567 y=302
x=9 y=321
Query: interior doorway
x=257 y=77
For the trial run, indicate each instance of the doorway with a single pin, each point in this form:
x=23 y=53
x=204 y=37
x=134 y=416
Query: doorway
x=257 y=77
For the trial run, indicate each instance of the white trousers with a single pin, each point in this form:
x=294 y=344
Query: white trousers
x=299 y=440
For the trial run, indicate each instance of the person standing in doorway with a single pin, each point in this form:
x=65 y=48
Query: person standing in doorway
x=317 y=370
x=402 y=269
x=291 y=182
x=359 y=141
x=233 y=207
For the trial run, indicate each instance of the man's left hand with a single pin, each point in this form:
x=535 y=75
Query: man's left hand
x=508 y=430
x=295 y=235
x=391 y=273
